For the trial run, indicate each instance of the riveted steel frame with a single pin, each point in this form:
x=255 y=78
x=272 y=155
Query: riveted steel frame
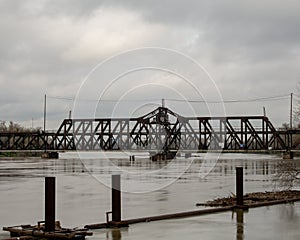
x=159 y=130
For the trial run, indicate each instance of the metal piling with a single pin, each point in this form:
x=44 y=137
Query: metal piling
x=49 y=204
x=116 y=198
x=239 y=187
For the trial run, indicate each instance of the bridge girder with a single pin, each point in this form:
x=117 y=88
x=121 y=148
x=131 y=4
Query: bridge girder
x=160 y=130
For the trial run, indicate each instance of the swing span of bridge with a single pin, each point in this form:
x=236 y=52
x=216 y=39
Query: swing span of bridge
x=161 y=130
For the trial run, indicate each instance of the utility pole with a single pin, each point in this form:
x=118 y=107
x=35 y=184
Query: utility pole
x=45 y=106
x=163 y=102
x=291 y=112
x=264 y=111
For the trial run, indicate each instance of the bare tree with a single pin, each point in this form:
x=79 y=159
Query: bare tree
x=3 y=127
x=15 y=127
x=285 y=126
x=288 y=174
x=296 y=112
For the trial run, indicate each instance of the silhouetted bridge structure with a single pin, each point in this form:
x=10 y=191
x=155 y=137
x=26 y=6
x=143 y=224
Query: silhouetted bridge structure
x=159 y=131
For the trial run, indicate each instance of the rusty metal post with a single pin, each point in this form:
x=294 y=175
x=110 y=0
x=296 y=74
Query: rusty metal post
x=116 y=198
x=239 y=187
x=49 y=204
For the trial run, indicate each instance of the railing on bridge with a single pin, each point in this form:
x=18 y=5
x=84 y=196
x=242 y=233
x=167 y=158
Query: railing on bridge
x=160 y=130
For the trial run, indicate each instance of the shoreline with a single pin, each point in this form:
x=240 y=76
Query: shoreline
x=255 y=198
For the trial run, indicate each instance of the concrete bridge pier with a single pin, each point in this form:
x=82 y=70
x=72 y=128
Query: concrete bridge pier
x=288 y=155
x=53 y=155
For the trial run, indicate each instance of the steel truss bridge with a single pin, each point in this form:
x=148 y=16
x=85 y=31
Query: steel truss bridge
x=158 y=131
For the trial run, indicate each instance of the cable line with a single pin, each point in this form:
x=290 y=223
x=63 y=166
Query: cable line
x=261 y=99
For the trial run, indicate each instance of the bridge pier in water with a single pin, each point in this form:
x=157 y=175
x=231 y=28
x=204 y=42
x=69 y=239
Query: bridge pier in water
x=288 y=155
x=50 y=155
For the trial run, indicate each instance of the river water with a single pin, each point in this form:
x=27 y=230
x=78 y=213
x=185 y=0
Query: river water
x=149 y=188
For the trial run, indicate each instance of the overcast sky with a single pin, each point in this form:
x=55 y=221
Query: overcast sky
x=245 y=50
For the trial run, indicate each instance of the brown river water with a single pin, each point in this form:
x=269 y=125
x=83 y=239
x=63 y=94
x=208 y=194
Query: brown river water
x=149 y=188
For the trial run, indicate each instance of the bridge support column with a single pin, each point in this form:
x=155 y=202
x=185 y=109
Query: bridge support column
x=53 y=155
x=288 y=155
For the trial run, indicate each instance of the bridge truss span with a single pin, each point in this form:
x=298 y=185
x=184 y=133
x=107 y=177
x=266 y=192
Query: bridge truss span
x=158 y=131
x=231 y=133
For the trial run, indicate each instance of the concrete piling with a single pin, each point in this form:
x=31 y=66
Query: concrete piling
x=49 y=204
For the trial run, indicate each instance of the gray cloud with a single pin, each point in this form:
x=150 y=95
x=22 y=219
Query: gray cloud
x=250 y=48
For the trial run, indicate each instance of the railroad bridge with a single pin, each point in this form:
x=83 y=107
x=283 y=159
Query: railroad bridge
x=161 y=130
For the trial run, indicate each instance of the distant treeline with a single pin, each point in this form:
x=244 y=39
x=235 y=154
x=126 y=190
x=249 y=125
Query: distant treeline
x=15 y=127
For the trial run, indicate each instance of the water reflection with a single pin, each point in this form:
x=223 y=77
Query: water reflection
x=114 y=234
x=225 y=165
x=288 y=212
x=80 y=195
x=140 y=170
x=239 y=224
x=100 y=166
x=162 y=195
x=68 y=164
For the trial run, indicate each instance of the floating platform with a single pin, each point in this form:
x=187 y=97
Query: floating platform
x=28 y=232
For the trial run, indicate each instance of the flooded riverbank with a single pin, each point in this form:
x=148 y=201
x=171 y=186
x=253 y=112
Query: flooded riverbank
x=151 y=188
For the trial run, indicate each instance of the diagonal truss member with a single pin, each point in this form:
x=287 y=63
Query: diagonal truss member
x=160 y=131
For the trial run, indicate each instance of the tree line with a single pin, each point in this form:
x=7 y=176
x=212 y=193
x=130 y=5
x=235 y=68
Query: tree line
x=15 y=127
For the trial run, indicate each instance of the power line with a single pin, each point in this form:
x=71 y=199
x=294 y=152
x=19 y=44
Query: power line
x=296 y=95
x=101 y=100
x=261 y=99
x=61 y=98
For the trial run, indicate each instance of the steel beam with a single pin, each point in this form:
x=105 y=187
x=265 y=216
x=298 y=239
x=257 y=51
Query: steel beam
x=159 y=130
